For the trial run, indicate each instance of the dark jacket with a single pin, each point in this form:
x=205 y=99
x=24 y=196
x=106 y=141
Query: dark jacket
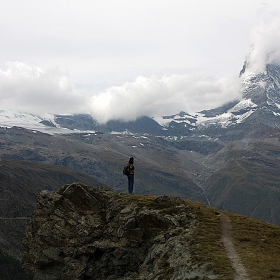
x=131 y=169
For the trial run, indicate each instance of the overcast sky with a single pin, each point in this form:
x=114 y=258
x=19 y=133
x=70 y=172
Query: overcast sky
x=128 y=58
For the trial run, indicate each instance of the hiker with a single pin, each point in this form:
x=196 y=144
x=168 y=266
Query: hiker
x=129 y=171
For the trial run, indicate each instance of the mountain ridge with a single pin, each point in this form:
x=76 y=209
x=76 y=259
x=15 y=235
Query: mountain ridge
x=260 y=93
x=231 y=162
x=83 y=232
x=181 y=158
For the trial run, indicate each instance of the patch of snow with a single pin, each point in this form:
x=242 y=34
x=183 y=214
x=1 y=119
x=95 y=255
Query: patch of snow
x=228 y=118
x=162 y=121
x=10 y=118
x=116 y=133
x=244 y=116
x=179 y=118
x=243 y=104
x=262 y=84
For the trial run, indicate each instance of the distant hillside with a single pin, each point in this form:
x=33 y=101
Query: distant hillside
x=11 y=268
x=21 y=183
x=247 y=181
x=82 y=232
x=102 y=156
x=237 y=171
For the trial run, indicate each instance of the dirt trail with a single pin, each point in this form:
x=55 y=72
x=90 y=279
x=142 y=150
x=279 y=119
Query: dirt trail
x=239 y=269
x=15 y=218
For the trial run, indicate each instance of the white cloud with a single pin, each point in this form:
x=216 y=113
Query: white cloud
x=101 y=45
x=265 y=40
x=164 y=96
x=32 y=90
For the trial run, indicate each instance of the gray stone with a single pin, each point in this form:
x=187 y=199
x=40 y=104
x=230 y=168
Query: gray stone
x=82 y=231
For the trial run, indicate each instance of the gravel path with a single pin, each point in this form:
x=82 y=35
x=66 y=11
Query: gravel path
x=239 y=268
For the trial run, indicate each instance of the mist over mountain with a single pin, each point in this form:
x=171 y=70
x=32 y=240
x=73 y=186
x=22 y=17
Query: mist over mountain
x=227 y=157
x=260 y=95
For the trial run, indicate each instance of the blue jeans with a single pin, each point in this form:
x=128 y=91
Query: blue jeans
x=130 y=183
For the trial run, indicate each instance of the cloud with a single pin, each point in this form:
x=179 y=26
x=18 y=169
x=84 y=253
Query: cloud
x=32 y=90
x=164 y=96
x=101 y=46
x=265 y=40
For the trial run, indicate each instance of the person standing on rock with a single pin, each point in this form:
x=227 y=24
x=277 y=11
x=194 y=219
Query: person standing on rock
x=129 y=171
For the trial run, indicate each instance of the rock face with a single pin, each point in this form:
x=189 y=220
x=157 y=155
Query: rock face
x=82 y=232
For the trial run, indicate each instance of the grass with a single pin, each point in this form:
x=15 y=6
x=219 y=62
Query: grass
x=206 y=245
x=143 y=200
x=258 y=244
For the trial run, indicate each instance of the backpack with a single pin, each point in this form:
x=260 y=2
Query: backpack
x=126 y=170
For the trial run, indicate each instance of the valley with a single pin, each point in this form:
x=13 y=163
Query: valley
x=239 y=176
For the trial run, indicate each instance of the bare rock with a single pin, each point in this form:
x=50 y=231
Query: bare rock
x=82 y=232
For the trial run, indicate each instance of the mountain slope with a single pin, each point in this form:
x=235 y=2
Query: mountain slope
x=260 y=103
x=103 y=156
x=249 y=185
x=191 y=156
x=194 y=168
x=21 y=183
x=82 y=232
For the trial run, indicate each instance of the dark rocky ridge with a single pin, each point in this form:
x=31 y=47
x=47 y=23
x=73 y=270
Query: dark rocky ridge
x=83 y=232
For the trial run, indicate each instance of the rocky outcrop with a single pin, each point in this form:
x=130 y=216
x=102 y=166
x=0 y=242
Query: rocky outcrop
x=82 y=232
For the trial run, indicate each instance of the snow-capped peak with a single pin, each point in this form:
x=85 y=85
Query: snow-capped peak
x=45 y=123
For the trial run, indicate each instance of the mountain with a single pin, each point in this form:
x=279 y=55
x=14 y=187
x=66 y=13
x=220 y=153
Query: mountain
x=182 y=154
x=260 y=103
x=227 y=157
x=83 y=232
